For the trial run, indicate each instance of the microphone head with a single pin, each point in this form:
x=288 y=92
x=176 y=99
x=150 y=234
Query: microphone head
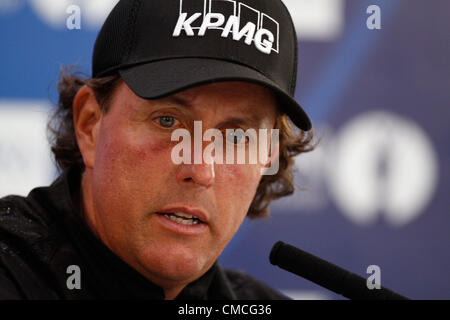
x=273 y=258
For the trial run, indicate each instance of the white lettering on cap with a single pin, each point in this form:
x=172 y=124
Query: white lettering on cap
x=265 y=40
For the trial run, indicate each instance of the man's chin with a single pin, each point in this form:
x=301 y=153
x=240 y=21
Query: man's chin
x=170 y=266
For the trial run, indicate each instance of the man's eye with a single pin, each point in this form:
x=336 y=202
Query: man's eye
x=236 y=137
x=166 y=121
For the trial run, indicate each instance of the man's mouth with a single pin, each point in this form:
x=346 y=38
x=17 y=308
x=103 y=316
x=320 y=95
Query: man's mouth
x=181 y=218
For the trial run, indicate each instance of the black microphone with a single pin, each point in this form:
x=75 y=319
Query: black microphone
x=326 y=274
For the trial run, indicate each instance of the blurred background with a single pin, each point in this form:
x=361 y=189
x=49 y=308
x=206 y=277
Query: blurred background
x=376 y=83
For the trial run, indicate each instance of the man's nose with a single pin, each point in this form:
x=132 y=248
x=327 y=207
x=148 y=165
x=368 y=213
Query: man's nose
x=202 y=174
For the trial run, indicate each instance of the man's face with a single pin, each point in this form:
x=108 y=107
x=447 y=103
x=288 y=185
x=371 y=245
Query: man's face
x=134 y=180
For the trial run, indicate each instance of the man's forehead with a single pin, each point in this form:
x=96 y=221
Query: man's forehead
x=249 y=103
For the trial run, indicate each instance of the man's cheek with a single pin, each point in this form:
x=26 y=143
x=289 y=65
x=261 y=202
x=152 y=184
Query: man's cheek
x=237 y=185
x=134 y=151
x=240 y=177
x=154 y=149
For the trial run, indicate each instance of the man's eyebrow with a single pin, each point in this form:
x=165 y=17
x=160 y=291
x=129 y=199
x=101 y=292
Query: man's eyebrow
x=245 y=121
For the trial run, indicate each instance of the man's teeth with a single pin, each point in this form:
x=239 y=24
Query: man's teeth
x=184 y=215
x=178 y=217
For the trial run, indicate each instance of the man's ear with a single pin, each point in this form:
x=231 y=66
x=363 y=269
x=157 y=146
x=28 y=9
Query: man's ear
x=87 y=117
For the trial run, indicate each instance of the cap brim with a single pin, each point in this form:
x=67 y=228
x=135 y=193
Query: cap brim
x=158 y=79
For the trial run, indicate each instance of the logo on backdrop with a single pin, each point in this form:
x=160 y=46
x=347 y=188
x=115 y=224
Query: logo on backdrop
x=25 y=160
x=377 y=165
x=237 y=20
x=384 y=164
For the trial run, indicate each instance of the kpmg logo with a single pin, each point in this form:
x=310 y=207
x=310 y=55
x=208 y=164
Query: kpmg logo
x=236 y=20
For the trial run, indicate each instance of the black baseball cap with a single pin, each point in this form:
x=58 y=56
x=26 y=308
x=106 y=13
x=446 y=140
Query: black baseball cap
x=160 y=47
